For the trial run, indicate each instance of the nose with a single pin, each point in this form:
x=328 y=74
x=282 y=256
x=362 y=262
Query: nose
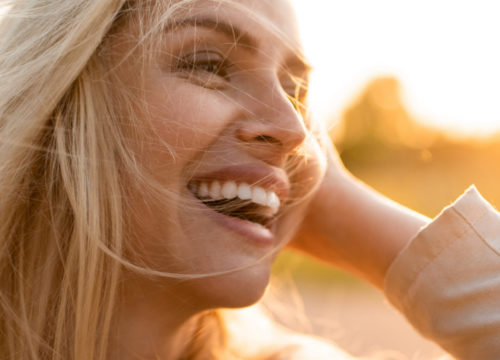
x=272 y=128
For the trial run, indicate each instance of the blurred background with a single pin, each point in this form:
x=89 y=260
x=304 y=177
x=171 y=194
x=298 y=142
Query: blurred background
x=410 y=90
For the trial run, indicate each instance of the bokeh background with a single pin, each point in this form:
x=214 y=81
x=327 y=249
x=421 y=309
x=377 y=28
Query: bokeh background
x=410 y=91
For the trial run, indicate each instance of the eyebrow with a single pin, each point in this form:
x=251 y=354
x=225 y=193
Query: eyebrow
x=239 y=36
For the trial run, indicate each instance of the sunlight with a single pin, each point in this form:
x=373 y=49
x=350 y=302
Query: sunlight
x=443 y=53
x=4 y=8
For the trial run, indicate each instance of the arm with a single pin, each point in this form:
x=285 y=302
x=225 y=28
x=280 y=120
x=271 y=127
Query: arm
x=446 y=280
x=352 y=227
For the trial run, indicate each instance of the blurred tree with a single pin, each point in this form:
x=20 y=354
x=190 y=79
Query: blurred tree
x=378 y=117
x=423 y=168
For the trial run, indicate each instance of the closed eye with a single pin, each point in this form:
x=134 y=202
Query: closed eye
x=203 y=63
x=296 y=89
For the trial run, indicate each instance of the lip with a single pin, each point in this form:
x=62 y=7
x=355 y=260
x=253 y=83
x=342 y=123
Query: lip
x=267 y=177
x=257 y=234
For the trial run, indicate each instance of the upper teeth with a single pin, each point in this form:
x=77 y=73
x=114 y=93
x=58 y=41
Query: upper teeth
x=217 y=190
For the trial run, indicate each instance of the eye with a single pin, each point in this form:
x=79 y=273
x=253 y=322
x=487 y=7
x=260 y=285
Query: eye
x=296 y=89
x=205 y=63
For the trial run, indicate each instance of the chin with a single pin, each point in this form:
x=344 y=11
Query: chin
x=240 y=289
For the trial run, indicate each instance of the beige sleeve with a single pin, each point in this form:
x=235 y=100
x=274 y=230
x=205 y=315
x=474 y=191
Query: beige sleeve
x=447 y=280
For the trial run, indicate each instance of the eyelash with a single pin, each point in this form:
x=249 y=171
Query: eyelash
x=208 y=62
x=212 y=63
x=298 y=95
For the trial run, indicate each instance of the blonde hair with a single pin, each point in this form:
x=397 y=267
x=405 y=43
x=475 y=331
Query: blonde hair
x=57 y=288
x=62 y=159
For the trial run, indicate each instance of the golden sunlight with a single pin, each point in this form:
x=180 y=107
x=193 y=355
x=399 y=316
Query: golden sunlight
x=443 y=53
x=413 y=88
x=3 y=9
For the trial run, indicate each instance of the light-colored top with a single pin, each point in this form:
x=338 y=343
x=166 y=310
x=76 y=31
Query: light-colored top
x=447 y=280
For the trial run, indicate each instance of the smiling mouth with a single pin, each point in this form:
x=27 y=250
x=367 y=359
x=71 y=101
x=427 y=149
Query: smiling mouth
x=242 y=201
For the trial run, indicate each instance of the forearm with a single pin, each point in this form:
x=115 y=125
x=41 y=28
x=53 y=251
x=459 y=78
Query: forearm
x=446 y=281
x=351 y=226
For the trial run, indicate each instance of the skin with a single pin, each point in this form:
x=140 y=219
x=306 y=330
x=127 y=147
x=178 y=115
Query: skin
x=197 y=119
x=351 y=226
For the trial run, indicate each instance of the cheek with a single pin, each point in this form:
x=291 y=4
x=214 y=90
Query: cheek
x=180 y=123
x=187 y=118
x=308 y=167
x=307 y=171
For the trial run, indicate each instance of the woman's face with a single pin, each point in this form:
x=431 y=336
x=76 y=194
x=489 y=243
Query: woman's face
x=226 y=145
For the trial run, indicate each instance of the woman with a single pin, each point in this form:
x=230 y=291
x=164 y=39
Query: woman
x=130 y=121
x=155 y=156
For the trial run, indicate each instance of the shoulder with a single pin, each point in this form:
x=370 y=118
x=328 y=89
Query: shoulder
x=303 y=347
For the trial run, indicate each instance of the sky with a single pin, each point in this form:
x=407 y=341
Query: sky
x=446 y=54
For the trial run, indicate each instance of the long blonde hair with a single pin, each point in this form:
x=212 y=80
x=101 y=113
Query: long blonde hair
x=59 y=178
x=62 y=160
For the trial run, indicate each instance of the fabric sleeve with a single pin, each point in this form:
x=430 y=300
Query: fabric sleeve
x=447 y=280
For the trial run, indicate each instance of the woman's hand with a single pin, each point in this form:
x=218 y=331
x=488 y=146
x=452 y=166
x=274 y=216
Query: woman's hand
x=350 y=226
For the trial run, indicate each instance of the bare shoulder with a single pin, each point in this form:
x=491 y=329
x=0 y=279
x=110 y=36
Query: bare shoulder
x=254 y=335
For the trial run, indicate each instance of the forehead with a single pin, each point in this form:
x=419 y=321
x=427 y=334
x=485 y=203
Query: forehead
x=262 y=19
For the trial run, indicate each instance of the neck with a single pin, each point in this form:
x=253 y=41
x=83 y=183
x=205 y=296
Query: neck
x=153 y=323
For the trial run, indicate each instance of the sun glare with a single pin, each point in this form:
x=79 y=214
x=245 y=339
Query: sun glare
x=444 y=54
x=4 y=8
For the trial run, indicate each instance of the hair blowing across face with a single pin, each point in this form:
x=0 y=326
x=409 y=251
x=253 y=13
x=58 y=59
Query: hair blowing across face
x=63 y=156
